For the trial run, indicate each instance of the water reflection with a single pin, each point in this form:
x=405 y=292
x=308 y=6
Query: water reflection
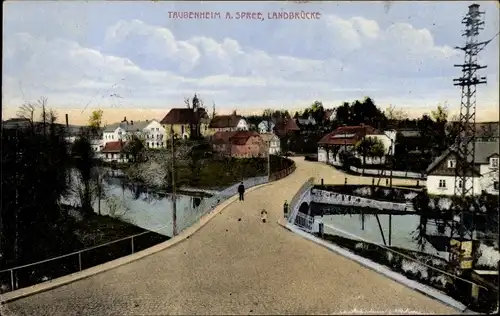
x=429 y=233
x=149 y=209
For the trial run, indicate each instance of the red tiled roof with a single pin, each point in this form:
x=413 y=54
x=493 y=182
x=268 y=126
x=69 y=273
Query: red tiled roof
x=113 y=147
x=235 y=138
x=241 y=137
x=183 y=116
x=222 y=137
x=348 y=135
x=225 y=121
x=285 y=126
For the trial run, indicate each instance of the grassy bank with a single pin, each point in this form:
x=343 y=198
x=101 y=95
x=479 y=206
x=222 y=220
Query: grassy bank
x=204 y=173
x=89 y=232
x=408 y=265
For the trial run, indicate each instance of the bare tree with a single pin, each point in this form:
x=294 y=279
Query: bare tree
x=27 y=111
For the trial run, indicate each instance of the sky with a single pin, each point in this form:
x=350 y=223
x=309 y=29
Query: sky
x=135 y=59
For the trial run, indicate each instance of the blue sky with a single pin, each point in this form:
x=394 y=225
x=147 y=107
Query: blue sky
x=80 y=52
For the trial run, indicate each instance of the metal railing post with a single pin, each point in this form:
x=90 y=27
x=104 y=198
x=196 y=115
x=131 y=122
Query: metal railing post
x=12 y=279
x=80 y=260
x=132 y=243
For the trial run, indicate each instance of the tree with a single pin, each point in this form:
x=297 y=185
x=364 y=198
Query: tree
x=36 y=164
x=440 y=114
x=317 y=111
x=394 y=114
x=83 y=157
x=95 y=121
x=268 y=119
x=370 y=147
x=135 y=147
x=343 y=114
x=200 y=114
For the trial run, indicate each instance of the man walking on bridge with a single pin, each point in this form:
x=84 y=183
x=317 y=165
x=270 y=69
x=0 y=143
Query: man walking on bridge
x=241 y=191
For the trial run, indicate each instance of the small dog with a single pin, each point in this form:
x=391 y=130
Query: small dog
x=263 y=215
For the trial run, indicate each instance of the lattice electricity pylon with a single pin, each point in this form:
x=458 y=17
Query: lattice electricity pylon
x=464 y=185
x=465 y=146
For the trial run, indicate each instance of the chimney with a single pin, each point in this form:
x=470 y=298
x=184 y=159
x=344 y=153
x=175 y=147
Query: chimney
x=67 y=120
x=131 y=122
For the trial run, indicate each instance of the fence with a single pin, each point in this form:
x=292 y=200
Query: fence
x=275 y=176
x=395 y=173
x=327 y=197
x=416 y=266
x=378 y=172
x=26 y=275
x=304 y=222
x=296 y=199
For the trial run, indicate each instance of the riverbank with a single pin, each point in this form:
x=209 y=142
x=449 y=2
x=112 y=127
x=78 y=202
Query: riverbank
x=104 y=237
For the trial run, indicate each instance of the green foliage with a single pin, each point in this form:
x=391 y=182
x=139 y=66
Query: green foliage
x=370 y=147
x=83 y=159
x=135 y=147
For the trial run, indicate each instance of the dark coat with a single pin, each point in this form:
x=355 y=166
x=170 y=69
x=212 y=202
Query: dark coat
x=241 y=188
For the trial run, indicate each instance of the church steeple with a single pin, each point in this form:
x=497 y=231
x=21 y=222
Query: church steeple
x=196 y=102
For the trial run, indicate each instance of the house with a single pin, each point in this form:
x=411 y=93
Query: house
x=239 y=144
x=306 y=121
x=285 y=126
x=228 y=123
x=114 y=132
x=441 y=173
x=345 y=139
x=330 y=115
x=182 y=122
x=114 y=151
x=266 y=126
x=273 y=142
x=151 y=131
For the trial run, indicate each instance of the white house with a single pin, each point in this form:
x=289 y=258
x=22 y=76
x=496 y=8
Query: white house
x=441 y=173
x=266 y=126
x=345 y=138
x=306 y=121
x=228 y=123
x=114 y=152
x=151 y=131
x=273 y=142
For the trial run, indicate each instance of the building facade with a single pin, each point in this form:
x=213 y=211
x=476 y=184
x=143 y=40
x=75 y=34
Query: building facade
x=441 y=173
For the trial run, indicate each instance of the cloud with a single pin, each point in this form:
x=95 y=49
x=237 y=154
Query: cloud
x=336 y=58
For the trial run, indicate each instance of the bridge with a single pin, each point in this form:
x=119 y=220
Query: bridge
x=234 y=264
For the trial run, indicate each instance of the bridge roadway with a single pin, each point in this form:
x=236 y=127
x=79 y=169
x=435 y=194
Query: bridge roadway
x=238 y=267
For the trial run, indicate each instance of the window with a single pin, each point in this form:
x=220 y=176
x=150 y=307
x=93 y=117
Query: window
x=460 y=184
x=442 y=184
x=182 y=129
x=452 y=163
x=494 y=162
x=495 y=185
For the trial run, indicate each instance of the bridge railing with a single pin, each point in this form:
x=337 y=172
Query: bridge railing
x=296 y=199
x=29 y=274
x=33 y=273
x=304 y=222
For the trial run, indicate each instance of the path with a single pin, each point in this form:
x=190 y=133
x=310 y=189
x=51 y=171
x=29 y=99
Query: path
x=237 y=267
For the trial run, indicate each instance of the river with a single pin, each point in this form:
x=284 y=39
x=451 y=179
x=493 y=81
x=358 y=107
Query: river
x=135 y=204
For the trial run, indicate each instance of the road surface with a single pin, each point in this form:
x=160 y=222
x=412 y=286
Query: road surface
x=236 y=264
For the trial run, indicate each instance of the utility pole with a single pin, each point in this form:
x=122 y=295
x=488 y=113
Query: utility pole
x=269 y=160
x=465 y=142
x=390 y=156
x=174 y=197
